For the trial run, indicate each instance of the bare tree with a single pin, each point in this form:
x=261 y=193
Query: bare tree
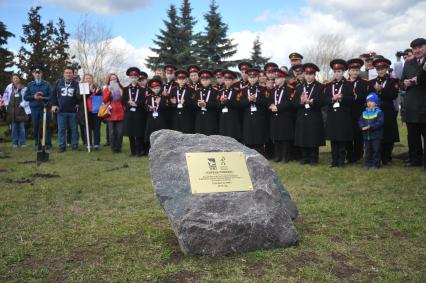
x=94 y=50
x=327 y=48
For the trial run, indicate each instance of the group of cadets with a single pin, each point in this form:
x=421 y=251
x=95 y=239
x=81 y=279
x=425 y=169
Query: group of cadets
x=287 y=117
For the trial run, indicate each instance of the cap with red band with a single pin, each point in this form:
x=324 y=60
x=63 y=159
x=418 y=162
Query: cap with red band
x=310 y=68
x=355 y=63
x=155 y=82
x=181 y=74
x=206 y=74
x=227 y=74
x=133 y=71
x=170 y=68
x=339 y=64
x=193 y=69
x=381 y=63
x=270 y=67
x=244 y=66
x=280 y=73
x=143 y=75
x=252 y=72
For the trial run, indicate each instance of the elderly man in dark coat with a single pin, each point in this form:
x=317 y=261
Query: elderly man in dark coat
x=414 y=82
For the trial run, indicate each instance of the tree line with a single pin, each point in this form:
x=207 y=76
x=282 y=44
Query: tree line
x=48 y=43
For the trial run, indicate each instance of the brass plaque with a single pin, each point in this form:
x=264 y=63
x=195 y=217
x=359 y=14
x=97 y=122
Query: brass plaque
x=218 y=172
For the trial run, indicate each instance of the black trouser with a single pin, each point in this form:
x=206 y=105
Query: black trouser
x=136 y=145
x=295 y=152
x=106 y=132
x=82 y=133
x=338 y=153
x=116 y=135
x=269 y=149
x=372 y=153
x=282 y=150
x=416 y=151
x=387 y=148
x=355 y=148
x=309 y=155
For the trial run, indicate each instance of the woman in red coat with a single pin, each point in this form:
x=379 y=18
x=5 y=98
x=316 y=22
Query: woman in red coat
x=112 y=95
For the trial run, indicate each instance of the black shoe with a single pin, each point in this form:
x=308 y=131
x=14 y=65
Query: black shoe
x=75 y=148
x=61 y=149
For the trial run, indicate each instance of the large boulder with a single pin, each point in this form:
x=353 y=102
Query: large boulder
x=220 y=223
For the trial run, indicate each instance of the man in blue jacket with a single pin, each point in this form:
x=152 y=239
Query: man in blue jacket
x=65 y=100
x=38 y=94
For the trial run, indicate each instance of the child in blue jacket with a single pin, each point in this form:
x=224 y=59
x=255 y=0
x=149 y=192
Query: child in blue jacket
x=371 y=124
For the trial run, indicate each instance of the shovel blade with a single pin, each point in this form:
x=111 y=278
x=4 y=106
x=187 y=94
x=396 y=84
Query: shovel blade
x=42 y=156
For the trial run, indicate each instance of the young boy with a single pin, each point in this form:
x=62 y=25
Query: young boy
x=371 y=124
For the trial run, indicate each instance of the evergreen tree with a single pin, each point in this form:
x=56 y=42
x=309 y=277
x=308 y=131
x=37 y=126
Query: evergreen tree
x=35 y=43
x=6 y=57
x=167 y=42
x=43 y=44
x=213 y=47
x=60 y=56
x=256 y=55
x=186 y=37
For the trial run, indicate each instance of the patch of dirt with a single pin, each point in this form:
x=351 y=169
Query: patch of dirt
x=27 y=162
x=292 y=264
x=305 y=225
x=336 y=238
x=117 y=168
x=45 y=175
x=19 y=181
x=3 y=170
x=342 y=269
x=184 y=276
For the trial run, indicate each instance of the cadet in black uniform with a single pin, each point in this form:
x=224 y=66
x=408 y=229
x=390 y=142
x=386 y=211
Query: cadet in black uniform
x=281 y=106
x=182 y=101
x=229 y=124
x=339 y=97
x=387 y=89
x=134 y=116
x=194 y=80
x=361 y=89
x=243 y=67
x=170 y=83
x=206 y=117
x=309 y=133
x=143 y=79
x=254 y=100
x=269 y=69
x=156 y=105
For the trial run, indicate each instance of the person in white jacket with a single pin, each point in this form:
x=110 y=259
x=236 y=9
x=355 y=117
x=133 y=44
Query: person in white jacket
x=17 y=110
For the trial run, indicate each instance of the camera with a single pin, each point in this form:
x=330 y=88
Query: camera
x=400 y=54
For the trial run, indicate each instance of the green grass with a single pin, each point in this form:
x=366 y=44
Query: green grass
x=97 y=220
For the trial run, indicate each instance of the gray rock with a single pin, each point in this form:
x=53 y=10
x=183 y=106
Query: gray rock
x=220 y=223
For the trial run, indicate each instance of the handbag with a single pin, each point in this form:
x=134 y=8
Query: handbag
x=104 y=111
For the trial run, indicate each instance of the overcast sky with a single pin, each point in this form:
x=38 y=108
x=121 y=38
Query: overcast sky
x=283 y=26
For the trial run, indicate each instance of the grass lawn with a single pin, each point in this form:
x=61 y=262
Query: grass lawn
x=94 y=218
